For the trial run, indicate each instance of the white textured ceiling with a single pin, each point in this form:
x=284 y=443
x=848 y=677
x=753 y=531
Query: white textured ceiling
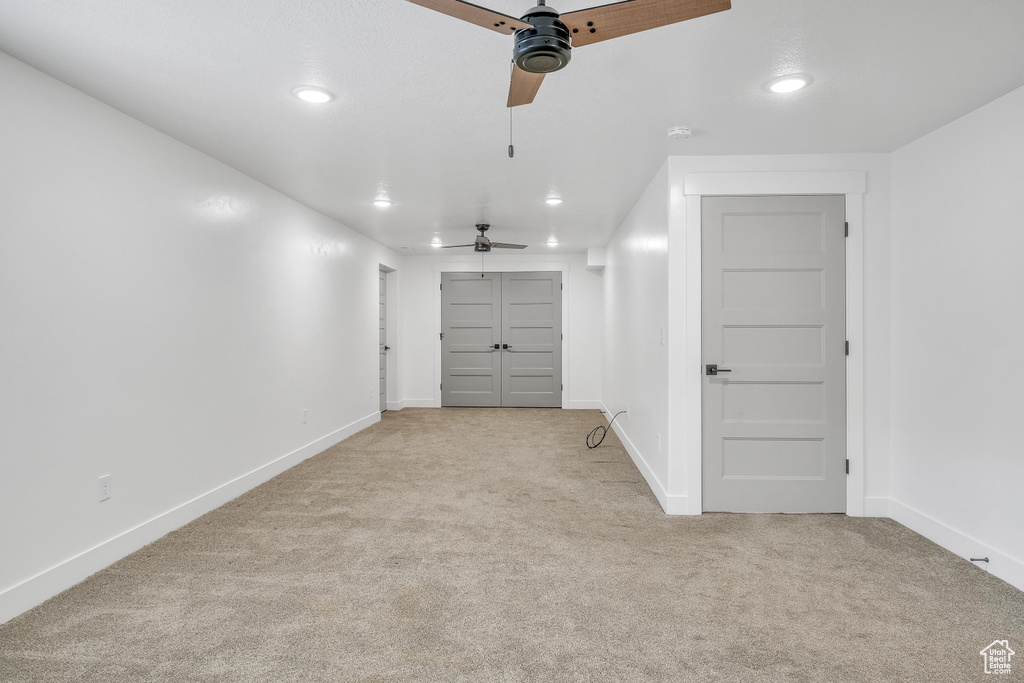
x=420 y=110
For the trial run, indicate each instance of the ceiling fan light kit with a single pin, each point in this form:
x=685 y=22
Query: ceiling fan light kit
x=545 y=46
x=544 y=38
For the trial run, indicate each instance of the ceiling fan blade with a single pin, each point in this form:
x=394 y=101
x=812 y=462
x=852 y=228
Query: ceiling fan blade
x=502 y=245
x=632 y=16
x=524 y=87
x=456 y=246
x=474 y=14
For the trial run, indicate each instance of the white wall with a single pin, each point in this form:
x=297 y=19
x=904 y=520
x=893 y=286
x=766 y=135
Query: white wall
x=957 y=243
x=636 y=321
x=165 y=320
x=419 y=346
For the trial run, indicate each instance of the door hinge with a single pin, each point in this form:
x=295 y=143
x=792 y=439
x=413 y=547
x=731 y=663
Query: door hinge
x=442 y=336
x=441 y=387
x=441 y=287
x=563 y=387
x=563 y=336
x=847 y=347
x=846 y=229
x=847 y=465
x=561 y=286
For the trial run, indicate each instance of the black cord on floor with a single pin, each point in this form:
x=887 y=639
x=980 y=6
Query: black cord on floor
x=597 y=434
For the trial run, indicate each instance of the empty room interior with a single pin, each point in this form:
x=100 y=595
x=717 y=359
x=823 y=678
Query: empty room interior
x=420 y=340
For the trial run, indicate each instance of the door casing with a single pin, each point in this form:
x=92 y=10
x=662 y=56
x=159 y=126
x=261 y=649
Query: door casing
x=685 y=372
x=503 y=266
x=519 y=314
x=382 y=355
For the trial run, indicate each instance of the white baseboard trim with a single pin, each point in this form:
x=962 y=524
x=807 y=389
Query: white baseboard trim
x=35 y=590
x=1009 y=569
x=583 y=405
x=421 y=403
x=876 y=507
x=672 y=505
x=678 y=505
x=432 y=403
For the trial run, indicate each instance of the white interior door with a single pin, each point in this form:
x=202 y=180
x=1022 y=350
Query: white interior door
x=774 y=324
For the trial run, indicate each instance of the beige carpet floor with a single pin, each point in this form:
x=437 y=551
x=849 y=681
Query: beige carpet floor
x=491 y=545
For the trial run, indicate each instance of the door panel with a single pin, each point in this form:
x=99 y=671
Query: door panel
x=771 y=458
x=774 y=316
x=382 y=340
x=471 y=324
x=532 y=328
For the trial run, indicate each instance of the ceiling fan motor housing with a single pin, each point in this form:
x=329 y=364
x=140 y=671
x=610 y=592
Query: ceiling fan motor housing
x=546 y=46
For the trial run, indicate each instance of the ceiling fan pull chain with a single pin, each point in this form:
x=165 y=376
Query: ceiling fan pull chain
x=511 y=149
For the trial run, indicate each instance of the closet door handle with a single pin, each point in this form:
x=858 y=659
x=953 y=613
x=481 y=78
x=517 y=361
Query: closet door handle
x=504 y=346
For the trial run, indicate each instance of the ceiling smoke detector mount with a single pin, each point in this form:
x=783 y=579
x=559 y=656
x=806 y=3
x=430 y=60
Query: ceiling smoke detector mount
x=679 y=132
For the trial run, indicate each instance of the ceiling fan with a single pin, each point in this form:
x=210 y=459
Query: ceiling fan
x=544 y=38
x=484 y=244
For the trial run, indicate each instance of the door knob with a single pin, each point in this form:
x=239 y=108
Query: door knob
x=497 y=346
x=387 y=348
x=504 y=346
x=713 y=369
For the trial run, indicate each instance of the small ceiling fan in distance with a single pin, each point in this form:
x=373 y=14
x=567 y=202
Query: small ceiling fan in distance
x=483 y=244
x=544 y=38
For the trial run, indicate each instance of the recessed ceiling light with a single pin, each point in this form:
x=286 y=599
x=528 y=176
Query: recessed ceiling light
x=552 y=242
x=312 y=94
x=382 y=202
x=553 y=200
x=436 y=242
x=790 y=83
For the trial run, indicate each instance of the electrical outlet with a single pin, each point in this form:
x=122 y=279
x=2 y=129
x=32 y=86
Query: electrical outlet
x=658 y=439
x=305 y=415
x=627 y=410
x=662 y=334
x=104 y=487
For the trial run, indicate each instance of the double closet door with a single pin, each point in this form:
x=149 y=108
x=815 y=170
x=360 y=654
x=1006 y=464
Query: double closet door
x=501 y=340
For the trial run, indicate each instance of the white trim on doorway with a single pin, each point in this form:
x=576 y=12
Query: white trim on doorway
x=391 y=331
x=685 y=378
x=503 y=267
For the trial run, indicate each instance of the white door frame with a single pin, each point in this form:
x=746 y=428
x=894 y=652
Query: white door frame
x=686 y=378
x=391 y=282
x=501 y=267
